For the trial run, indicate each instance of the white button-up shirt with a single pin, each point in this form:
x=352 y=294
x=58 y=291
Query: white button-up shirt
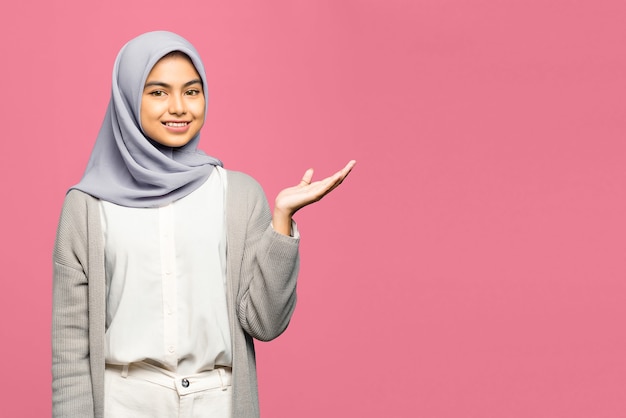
x=166 y=281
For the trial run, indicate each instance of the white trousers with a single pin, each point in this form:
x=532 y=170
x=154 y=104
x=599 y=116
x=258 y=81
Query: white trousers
x=141 y=390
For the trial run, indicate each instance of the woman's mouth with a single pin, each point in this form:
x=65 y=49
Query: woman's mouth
x=176 y=124
x=177 y=127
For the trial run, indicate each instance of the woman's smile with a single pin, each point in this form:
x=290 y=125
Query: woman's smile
x=177 y=127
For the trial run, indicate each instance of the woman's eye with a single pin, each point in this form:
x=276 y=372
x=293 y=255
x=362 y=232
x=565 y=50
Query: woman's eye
x=193 y=92
x=157 y=93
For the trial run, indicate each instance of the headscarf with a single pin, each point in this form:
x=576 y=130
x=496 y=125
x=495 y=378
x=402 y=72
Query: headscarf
x=126 y=167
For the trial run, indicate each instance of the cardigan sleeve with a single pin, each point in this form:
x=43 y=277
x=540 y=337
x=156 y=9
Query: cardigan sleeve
x=71 y=379
x=269 y=271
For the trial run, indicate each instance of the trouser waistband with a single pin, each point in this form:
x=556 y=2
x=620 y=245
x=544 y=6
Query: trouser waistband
x=184 y=384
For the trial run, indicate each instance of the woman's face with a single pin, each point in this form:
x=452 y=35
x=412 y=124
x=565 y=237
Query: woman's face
x=173 y=103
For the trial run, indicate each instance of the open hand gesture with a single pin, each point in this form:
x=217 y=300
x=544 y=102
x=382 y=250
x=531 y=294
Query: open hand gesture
x=292 y=199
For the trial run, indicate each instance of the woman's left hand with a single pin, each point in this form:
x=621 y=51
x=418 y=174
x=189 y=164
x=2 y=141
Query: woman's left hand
x=292 y=199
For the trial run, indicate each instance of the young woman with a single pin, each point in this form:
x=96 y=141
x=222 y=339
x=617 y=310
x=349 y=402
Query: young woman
x=166 y=265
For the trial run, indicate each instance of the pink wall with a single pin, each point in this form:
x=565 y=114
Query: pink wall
x=471 y=266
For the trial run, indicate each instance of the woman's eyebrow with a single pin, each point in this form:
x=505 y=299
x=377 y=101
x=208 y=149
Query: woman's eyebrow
x=162 y=84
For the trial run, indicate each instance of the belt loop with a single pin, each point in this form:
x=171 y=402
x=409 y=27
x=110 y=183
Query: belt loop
x=222 y=374
x=125 y=371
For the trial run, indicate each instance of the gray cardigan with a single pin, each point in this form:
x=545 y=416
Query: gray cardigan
x=261 y=273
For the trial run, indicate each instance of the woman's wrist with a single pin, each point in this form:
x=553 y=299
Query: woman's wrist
x=281 y=221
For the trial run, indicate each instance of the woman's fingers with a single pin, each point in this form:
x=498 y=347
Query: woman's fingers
x=307 y=177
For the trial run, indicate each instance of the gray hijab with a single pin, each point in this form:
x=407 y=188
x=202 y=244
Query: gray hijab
x=126 y=167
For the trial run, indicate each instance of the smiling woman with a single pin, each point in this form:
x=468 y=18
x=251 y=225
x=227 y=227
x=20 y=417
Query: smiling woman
x=166 y=265
x=173 y=103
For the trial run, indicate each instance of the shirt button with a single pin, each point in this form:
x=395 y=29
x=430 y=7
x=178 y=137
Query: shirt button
x=171 y=348
x=185 y=383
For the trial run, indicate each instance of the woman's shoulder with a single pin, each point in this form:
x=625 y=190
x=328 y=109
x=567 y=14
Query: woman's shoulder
x=238 y=180
x=78 y=202
x=78 y=197
x=79 y=215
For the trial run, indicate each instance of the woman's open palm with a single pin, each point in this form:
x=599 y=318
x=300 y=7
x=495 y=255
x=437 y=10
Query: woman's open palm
x=291 y=199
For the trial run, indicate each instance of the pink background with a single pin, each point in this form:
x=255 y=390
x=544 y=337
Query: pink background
x=471 y=266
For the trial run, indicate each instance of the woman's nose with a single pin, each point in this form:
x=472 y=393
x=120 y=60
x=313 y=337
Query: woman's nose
x=177 y=105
